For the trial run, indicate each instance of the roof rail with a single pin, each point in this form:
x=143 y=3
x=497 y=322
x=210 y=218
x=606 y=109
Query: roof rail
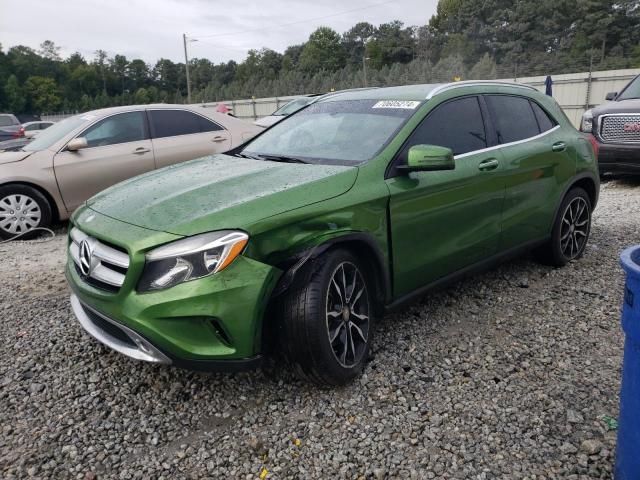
x=470 y=83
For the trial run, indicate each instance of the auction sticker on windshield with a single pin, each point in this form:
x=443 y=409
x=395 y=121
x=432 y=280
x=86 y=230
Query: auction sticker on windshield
x=411 y=105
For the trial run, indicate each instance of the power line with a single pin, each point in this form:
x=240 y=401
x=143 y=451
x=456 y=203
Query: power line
x=239 y=32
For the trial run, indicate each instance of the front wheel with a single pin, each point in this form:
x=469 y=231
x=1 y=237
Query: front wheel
x=326 y=323
x=22 y=209
x=571 y=230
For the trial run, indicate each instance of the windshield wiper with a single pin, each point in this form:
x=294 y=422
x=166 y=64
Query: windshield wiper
x=283 y=158
x=273 y=158
x=246 y=155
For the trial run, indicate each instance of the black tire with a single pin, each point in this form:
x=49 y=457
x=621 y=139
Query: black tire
x=572 y=224
x=307 y=316
x=37 y=202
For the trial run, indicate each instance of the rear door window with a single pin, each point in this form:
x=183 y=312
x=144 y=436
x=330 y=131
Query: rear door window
x=513 y=118
x=171 y=123
x=457 y=124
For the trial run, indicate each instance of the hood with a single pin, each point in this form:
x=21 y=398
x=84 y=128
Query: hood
x=623 y=106
x=219 y=192
x=10 y=157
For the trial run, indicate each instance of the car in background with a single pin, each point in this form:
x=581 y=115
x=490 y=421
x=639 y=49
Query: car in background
x=31 y=129
x=616 y=128
x=298 y=104
x=297 y=241
x=48 y=178
x=14 y=144
x=9 y=127
x=287 y=109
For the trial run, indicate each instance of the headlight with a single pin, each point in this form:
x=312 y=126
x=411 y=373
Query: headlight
x=587 y=122
x=190 y=259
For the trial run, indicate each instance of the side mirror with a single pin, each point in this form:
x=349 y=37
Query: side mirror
x=428 y=158
x=77 y=144
x=611 y=95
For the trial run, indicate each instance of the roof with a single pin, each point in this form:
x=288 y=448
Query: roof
x=408 y=92
x=222 y=118
x=127 y=108
x=416 y=92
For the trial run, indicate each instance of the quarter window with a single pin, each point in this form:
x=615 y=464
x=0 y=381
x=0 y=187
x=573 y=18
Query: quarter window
x=544 y=121
x=171 y=123
x=120 y=128
x=513 y=118
x=456 y=124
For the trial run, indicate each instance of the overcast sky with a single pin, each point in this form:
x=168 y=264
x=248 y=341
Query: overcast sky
x=151 y=29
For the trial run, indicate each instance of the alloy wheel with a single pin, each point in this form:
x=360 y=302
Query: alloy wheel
x=19 y=213
x=347 y=309
x=575 y=228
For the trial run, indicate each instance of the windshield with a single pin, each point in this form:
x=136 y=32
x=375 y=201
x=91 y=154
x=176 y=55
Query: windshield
x=292 y=107
x=631 y=91
x=51 y=135
x=344 y=132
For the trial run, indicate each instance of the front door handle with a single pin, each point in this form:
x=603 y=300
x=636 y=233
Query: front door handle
x=559 y=147
x=218 y=139
x=141 y=150
x=489 y=164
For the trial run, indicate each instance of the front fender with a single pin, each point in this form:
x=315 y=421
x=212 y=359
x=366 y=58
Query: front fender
x=365 y=246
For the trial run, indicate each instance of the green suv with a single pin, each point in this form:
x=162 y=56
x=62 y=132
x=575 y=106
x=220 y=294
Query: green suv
x=296 y=242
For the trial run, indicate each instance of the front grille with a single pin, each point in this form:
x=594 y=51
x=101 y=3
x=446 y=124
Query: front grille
x=620 y=128
x=106 y=265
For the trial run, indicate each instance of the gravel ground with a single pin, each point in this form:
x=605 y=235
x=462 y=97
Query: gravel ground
x=511 y=374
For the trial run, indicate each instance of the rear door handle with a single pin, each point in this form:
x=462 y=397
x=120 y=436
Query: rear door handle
x=489 y=164
x=559 y=147
x=218 y=139
x=141 y=150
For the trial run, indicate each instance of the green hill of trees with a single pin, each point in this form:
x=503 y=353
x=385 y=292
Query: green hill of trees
x=466 y=39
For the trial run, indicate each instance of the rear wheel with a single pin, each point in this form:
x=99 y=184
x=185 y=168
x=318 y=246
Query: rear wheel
x=571 y=230
x=22 y=208
x=326 y=323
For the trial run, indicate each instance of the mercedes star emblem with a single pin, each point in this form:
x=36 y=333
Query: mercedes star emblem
x=86 y=254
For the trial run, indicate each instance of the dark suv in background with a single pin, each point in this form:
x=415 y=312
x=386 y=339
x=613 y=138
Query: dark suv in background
x=616 y=127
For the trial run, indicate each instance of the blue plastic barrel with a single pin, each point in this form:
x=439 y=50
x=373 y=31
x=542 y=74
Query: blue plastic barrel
x=628 y=452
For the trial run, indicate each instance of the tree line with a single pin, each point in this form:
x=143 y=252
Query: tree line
x=464 y=39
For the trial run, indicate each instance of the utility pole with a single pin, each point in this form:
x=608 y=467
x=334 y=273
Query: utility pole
x=186 y=67
x=364 y=61
x=364 y=70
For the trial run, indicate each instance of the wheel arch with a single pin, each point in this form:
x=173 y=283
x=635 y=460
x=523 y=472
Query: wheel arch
x=55 y=209
x=588 y=182
x=589 y=185
x=362 y=245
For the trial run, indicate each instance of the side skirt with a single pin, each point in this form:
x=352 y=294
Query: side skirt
x=485 y=264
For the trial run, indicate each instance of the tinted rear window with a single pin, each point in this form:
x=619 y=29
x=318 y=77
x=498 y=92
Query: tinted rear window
x=171 y=123
x=513 y=118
